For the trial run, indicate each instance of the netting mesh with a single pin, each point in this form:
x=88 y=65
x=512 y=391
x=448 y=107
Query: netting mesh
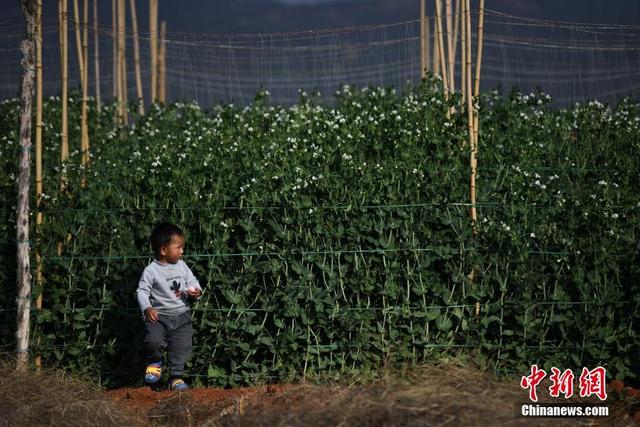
x=570 y=61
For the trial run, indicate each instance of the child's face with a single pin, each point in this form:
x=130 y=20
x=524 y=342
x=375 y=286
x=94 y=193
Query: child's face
x=172 y=253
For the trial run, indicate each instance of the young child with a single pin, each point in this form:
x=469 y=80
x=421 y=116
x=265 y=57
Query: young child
x=165 y=291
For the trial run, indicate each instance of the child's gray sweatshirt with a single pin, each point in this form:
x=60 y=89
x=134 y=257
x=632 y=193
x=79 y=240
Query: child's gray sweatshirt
x=164 y=287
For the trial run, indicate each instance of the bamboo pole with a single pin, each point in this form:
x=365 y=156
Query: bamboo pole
x=456 y=31
x=427 y=38
x=123 y=62
x=463 y=50
x=64 y=48
x=114 y=46
x=472 y=161
x=153 y=33
x=423 y=40
x=476 y=90
x=96 y=54
x=84 y=159
x=162 y=69
x=435 y=58
x=76 y=18
x=441 y=48
x=120 y=78
x=449 y=22
x=118 y=68
x=23 y=276
x=39 y=215
x=136 y=54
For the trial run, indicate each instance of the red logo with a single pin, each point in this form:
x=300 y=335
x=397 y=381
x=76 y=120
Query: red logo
x=590 y=382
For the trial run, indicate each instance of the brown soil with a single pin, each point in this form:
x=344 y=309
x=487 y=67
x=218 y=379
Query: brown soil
x=194 y=406
x=438 y=395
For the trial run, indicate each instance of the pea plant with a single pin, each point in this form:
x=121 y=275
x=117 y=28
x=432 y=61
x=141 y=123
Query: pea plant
x=336 y=239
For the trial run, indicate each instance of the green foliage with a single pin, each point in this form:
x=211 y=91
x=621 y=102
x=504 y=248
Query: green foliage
x=336 y=240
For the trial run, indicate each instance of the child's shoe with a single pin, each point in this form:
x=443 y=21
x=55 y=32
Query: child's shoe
x=178 y=385
x=153 y=373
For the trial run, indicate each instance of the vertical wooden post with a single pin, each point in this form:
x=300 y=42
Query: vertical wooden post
x=463 y=49
x=64 y=48
x=441 y=48
x=122 y=15
x=449 y=22
x=472 y=160
x=76 y=17
x=479 y=52
x=136 y=54
x=423 y=40
x=114 y=46
x=84 y=159
x=162 y=69
x=120 y=60
x=23 y=278
x=39 y=215
x=153 y=49
x=476 y=91
x=435 y=58
x=96 y=54
x=456 y=30
x=427 y=38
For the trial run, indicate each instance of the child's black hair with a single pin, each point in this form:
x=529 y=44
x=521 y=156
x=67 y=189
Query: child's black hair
x=162 y=234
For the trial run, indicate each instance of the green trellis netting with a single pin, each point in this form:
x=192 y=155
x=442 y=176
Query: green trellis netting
x=333 y=240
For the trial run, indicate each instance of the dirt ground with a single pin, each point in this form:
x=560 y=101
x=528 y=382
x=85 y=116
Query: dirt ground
x=443 y=394
x=434 y=396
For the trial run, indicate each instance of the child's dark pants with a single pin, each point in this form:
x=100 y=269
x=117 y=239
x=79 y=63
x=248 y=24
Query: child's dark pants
x=171 y=333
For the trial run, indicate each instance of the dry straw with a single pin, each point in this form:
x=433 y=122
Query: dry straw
x=446 y=393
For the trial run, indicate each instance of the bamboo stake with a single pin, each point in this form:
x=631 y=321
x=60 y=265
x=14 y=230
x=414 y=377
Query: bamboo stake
x=123 y=62
x=23 y=277
x=472 y=186
x=64 y=145
x=427 y=37
x=153 y=30
x=456 y=31
x=463 y=50
x=441 y=47
x=114 y=46
x=39 y=215
x=136 y=54
x=435 y=58
x=76 y=17
x=84 y=159
x=96 y=55
x=120 y=78
x=118 y=69
x=476 y=91
x=162 y=71
x=423 y=40
x=449 y=22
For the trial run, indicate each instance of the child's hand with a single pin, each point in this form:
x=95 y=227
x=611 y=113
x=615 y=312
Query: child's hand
x=151 y=314
x=193 y=292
